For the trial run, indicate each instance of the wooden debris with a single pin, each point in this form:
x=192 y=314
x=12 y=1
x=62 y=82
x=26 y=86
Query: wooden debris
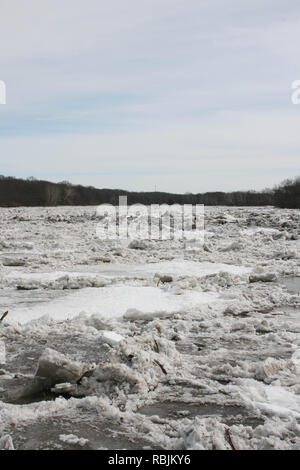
x=3 y=316
x=229 y=439
x=156 y=348
x=162 y=367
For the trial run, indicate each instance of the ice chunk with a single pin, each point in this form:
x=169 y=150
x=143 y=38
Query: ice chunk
x=120 y=373
x=13 y=261
x=272 y=400
x=263 y=277
x=65 y=388
x=134 y=314
x=269 y=368
x=72 y=439
x=110 y=337
x=59 y=368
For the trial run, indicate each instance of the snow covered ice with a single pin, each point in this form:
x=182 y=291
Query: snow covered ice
x=120 y=345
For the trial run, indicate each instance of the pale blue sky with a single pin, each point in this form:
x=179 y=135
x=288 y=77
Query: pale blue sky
x=184 y=95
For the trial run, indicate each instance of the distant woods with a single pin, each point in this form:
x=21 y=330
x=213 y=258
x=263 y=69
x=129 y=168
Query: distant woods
x=287 y=194
x=16 y=192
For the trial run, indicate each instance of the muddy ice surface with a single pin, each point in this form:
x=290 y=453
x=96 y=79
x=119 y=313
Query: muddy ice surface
x=159 y=344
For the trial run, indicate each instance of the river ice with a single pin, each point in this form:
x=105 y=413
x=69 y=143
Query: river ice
x=169 y=347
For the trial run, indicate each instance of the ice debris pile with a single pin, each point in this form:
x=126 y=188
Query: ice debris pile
x=131 y=345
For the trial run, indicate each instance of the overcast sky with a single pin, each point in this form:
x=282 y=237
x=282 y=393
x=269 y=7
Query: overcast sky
x=184 y=95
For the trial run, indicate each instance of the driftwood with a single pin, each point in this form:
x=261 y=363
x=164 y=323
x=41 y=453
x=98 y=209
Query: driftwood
x=161 y=366
x=156 y=348
x=3 y=316
x=229 y=439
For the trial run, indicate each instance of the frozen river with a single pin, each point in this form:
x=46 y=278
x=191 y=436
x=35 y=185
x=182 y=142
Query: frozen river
x=107 y=345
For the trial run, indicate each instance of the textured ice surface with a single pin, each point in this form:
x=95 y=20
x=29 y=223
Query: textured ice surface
x=160 y=347
x=292 y=284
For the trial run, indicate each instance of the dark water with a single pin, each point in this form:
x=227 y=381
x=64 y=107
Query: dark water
x=231 y=414
x=24 y=390
x=44 y=434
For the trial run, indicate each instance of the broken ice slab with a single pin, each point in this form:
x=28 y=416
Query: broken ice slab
x=66 y=389
x=111 y=338
x=13 y=261
x=58 y=368
x=263 y=277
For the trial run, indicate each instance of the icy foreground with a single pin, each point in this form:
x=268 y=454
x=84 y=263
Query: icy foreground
x=119 y=345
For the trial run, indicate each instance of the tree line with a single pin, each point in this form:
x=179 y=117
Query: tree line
x=15 y=192
x=287 y=194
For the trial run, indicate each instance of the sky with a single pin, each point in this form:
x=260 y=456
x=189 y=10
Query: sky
x=177 y=95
